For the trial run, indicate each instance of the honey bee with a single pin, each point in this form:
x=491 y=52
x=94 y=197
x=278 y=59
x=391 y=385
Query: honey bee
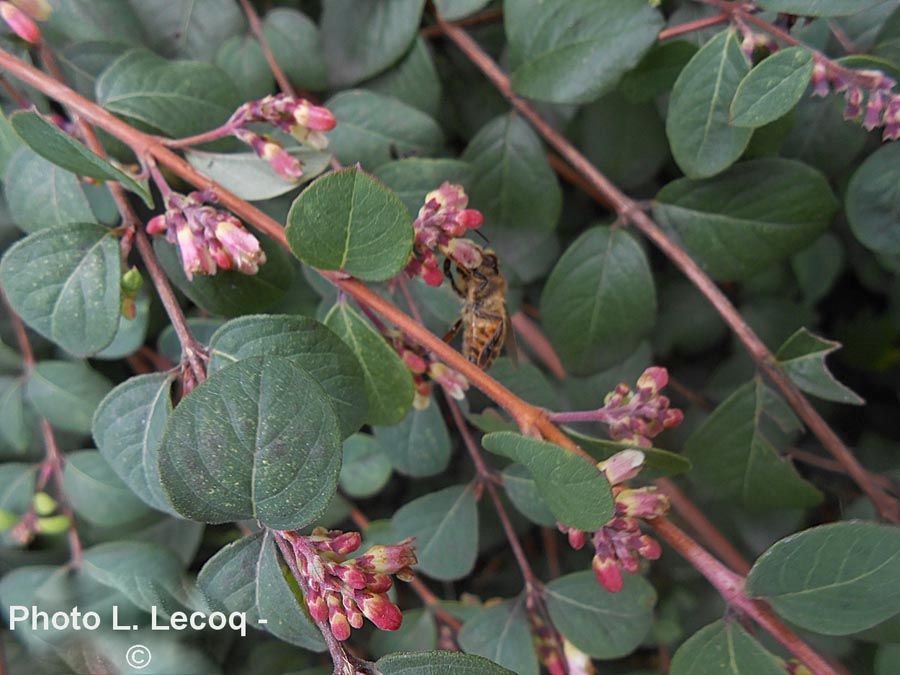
x=485 y=321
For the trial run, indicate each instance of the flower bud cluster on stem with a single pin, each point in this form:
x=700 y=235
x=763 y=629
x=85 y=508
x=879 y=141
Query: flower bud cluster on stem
x=872 y=87
x=343 y=592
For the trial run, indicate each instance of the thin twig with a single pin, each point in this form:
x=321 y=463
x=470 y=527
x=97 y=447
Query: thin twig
x=630 y=211
x=256 y=28
x=489 y=16
x=693 y=26
x=540 y=345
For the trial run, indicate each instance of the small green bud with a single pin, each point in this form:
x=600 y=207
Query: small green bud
x=44 y=504
x=132 y=281
x=53 y=525
x=7 y=519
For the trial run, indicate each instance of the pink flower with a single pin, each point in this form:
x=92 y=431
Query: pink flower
x=854 y=101
x=892 y=119
x=20 y=23
x=874 y=109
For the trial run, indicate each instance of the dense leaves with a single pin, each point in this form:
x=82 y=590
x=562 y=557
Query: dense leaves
x=724 y=647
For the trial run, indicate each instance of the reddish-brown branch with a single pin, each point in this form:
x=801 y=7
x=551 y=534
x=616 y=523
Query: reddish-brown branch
x=693 y=26
x=256 y=28
x=731 y=588
x=836 y=467
x=630 y=211
x=540 y=345
x=490 y=16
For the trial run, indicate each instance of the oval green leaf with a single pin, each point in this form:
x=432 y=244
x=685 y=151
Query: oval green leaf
x=724 y=648
x=348 y=221
x=64 y=283
x=438 y=663
x=96 y=494
x=502 y=634
x=818 y=7
x=365 y=469
x=873 y=200
x=67 y=393
x=419 y=445
x=773 y=88
x=258 y=439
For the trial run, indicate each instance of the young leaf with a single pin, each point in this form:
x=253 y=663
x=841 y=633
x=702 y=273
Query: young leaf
x=523 y=492
x=501 y=633
x=64 y=283
x=353 y=50
x=128 y=428
x=724 y=648
x=574 y=489
x=702 y=140
x=438 y=663
x=599 y=301
x=658 y=462
x=873 y=200
x=419 y=445
x=366 y=468
x=373 y=128
x=253 y=179
x=258 y=439
x=297 y=47
x=388 y=383
x=834 y=579
x=756 y=213
x=802 y=357
x=601 y=624
x=96 y=494
x=174 y=98
x=66 y=393
x=445 y=525
x=307 y=344
x=736 y=451
x=348 y=221
x=54 y=145
x=772 y=88
x=575 y=51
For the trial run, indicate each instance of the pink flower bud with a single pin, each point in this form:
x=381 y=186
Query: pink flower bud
x=646 y=502
x=608 y=574
x=20 y=23
x=654 y=379
x=344 y=543
x=242 y=246
x=464 y=252
x=622 y=466
x=388 y=559
x=874 y=109
x=314 y=117
x=649 y=548
x=379 y=610
x=195 y=258
x=414 y=362
x=892 y=120
x=854 y=101
x=157 y=224
x=820 y=79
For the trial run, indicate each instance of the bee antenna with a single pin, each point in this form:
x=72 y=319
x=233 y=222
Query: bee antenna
x=478 y=232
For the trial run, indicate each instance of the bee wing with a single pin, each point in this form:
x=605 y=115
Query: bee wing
x=509 y=343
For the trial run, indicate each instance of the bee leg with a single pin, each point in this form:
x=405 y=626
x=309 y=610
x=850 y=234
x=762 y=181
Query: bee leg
x=448 y=272
x=454 y=329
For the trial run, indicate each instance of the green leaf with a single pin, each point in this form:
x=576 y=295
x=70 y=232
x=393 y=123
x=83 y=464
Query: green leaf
x=96 y=494
x=818 y=267
x=445 y=525
x=82 y=63
x=362 y=39
x=737 y=451
x=833 y=579
x=146 y=573
x=17 y=421
x=247 y=576
x=657 y=462
x=438 y=663
x=773 y=88
x=802 y=357
x=17 y=492
x=702 y=140
x=419 y=633
x=42 y=195
x=413 y=80
x=243 y=59
x=415 y=177
x=10 y=143
x=128 y=428
x=230 y=292
x=599 y=301
x=512 y=183
x=388 y=383
x=724 y=648
x=189 y=28
x=130 y=334
x=873 y=200
x=64 y=283
x=601 y=624
x=657 y=71
x=203 y=329
x=258 y=439
x=54 y=145
x=372 y=129
x=297 y=47
x=253 y=179
x=348 y=221
x=818 y=7
x=501 y=633
x=575 y=51
x=625 y=140
x=822 y=138
x=419 y=445
x=755 y=214
x=173 y=98
x=523 y=492
x=366 y=468
x=573 y=488
x=66 y=393
x=308 y=345
x=94 y=20
x=451 y=10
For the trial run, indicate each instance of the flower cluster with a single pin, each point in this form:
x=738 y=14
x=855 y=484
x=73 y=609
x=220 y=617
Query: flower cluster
x=882 y=103
x=619 y=544
x=207 y=237
x=298 y=117
x=20 y=15
x=637 y=416
x=425 y=370
x=441 y=224
x=343 y=591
